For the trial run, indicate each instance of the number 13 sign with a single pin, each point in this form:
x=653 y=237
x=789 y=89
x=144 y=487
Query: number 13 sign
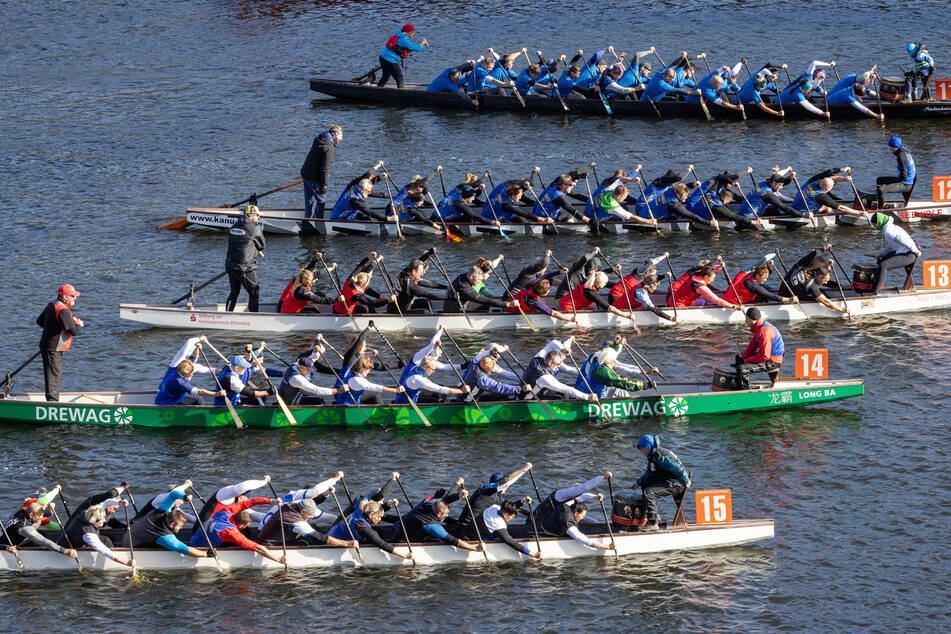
x=714 y=506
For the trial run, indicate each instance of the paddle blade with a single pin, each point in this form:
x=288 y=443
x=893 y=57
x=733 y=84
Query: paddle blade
x=450 y=236
x=178 y=224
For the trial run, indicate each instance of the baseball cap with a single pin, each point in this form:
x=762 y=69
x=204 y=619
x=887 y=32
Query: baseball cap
x=240 y=361
x=68 y=290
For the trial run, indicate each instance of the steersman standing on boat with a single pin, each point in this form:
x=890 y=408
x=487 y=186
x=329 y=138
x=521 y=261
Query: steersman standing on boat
x=58 y=326
x=245 y=242
x=315 y=172
x=665 y=475
x=398 y=48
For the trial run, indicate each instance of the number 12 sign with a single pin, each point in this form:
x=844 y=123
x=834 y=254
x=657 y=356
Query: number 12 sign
x=714 y=506
x=940 y=188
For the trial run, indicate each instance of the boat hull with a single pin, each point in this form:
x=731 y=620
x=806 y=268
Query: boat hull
x=683 y=399
x=690 y=537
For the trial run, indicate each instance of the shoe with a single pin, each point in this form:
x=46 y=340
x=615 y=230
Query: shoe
x=649 y=526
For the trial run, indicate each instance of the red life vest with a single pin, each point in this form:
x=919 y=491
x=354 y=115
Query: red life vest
x=686 y=292
x=396 y=48
x=65 y=338
x=521 y=296
x=577 y=296
x=289 y=303
x=746 y=296
x=618 y=290
x=346 y=306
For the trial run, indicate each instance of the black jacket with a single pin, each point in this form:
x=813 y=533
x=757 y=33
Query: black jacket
x=245 y=239
x=316 y=167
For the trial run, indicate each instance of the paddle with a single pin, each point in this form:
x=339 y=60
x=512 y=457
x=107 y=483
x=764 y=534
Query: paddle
x=389 y=194
x=128 y=528
x=670 y=282
x=415 y=407
x=462 y=382
x=607 y=522
x=841 y=291
x=788 y=287
x=346 y=489
x=442 y=183
x=703 y=197
x=253 y=198
x=679 y=515
x=531 y=387
x=492 y=209
x=69 y=543
x=65 y=506
x=645 y=361
x=10 y=375
x=125 y=485
x=277 y=396
x=194 y=289
x=389 y=287
x=343 y=519
x=597 y=88
x=515 y=91
x=204 y=532
x=475 y=524
x=343 y=301
x=650 y=379
x=16 y=554
x=547 y=215
x=400 y=482
x=627 y=293
x=730 y=279
x=403 y=526
x=631 y=68
x=805 y=202
x=554 y=80
x=583 y=377
x=450 y=290
x=650 y=212
x=450 y=236
x=835 y=258
x=571 y=297
x=231 y=409
x=825 y=98
x=517 y=303
x=277 y=356
x=531 y=514
x=280 y=518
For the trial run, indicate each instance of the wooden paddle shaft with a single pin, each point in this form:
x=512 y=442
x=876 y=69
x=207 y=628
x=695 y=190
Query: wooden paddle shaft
x=231 y=410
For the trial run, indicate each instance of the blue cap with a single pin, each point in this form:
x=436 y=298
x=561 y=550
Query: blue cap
x=911 y=47
x=647 y=441
x=467 y=192
x=894 y=142
x=240 y=361
x=496 y=477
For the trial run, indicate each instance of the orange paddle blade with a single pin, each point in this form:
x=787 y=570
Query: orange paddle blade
x=178 y=224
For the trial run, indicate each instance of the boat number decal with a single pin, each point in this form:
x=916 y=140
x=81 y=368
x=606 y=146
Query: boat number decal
x=941 y=188
x=119 y=416
x=624 y=409
x=812 y=363
x=937 y=273
x=942 y=88
x=714 y=506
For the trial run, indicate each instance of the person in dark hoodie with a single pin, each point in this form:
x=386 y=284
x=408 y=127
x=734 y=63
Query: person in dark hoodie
x=665 y=475
x=315 y=172
x=245 y=242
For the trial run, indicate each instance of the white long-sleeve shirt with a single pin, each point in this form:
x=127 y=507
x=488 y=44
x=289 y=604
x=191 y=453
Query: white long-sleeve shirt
x=297 y=495
x=564 y=348
x=300 y=382
x=418 y=381
x=549 y=382
x=359 y=383
x=184 y=352
x=508 y=375
x=92 y=540
x=898 y=240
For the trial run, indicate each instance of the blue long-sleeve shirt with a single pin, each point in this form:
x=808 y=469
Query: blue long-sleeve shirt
x=401 y=41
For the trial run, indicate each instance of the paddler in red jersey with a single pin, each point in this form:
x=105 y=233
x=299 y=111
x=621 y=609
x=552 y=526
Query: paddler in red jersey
x=764 y=353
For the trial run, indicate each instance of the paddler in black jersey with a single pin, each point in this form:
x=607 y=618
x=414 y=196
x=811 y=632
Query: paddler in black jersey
x=563 y=510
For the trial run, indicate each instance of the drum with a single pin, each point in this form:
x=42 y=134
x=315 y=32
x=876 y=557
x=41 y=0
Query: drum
x=892 y=88
x=628 y=510
x=724 y=380
x=864 y=278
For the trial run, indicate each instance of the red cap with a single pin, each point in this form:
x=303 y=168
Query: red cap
x=408 y=28
x=67 y=290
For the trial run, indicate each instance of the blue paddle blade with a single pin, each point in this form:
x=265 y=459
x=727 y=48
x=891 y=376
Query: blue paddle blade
x=763 y=260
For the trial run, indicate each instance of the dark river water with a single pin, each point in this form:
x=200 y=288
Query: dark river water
x=116 y=116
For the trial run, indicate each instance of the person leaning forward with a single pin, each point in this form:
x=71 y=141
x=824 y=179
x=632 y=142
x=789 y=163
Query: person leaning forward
x=58 y=326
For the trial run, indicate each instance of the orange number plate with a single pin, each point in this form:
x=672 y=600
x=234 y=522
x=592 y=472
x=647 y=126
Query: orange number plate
x=812 y=363
x=714 y=506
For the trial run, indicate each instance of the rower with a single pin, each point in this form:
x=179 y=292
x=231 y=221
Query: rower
x=293 y=521
x=22 y=527
x=541 y=371
x=409 y=203
x=482 y=387
x=360 y=525
x=356 y=352
x=568 y=81
x=454 y=80
x=415 y=377
x=554 y=200
x=532 y=80
x=495 y=519
x=176 y=389
x=225 y=527
x=87 y=533
x=611 y=204
x=712 y=198
x=599 y=373
x=711 y=86
x=765 y=199
x=485 y=81
x=904 y=181
x=580 y=270
x=397 y=48
x=359 y=385
x=358 y=297
x=462 y=296
x=530 y=273
x=816 y=197
x=852 y=95
x=816 y=74
x=109 y=501
x=630 y=283
x=245 y=243
x=315 y=173
x=592 y=207
x=662 y=84
x=798 y=93
x=354 y=203
x=300 y=297
x=228 y=495
x=638 y=74
x=639 y=296
x=656 y=194
x=749 y=288
x=563 y=510
x=900 y=251
x=764 y=353
x=693 y=288
x=58 y=326
x=613 y=84
x=234 y=378
x=677 y=207
x=922 y=71
x=530 y=299
x=865 y=80
x=425 y=523
x=751 y=91
x=318 y=493
x=503 y=69
x=665 y=475
x=413 y=293
x=456 y=206
x=296 y=387
x=43 y=498
x=507 y=208
x=586 y=294
x=160 y=526
x=807 y=277
x=484 y=497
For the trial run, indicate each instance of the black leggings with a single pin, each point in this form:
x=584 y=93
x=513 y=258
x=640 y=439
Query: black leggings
x=889 y=185
x=391 y=69
x=247 y=279
x=896 y=261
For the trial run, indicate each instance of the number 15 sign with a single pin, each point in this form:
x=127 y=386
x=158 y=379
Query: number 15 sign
x=714 y=506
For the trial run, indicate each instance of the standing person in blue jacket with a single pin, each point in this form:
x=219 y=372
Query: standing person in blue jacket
x=315 y=172
x=924 y=67
x=665 y=475
x=904 y=181
x=397 y=48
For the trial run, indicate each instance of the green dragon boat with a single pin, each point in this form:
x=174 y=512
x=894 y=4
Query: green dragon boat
x=679 y=399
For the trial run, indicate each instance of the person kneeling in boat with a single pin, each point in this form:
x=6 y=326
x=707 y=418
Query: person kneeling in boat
x=360 y=526
x=296 y=381
x=225 y=526
x=665 y=475
x=586 y=294
x=22 y=527
x=160 y=527
x=561 y=512
x=425 y=523
x=693 y=288
x=599 y=377
x=541 y=371
x=482 y=387
x=294 y=521
x=764 y=353
x=748 y=288
x=234 y=379
x=175 y=389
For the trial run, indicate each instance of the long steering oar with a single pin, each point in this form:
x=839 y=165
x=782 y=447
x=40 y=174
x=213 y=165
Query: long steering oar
x=190 y=295
x=277 y=396
x=280 y=518
x=204 y=532
x=181 y=224
x=69 y=543
x=231 y=410
x=10 y=375
x=343 y=519
x=415 y=407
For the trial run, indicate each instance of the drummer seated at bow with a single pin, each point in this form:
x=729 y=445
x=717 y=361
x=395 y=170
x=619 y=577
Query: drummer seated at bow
x=599 y=373
x=160 y=526
x=748 y=287
x=693 y=288
x=553 y=202
x=354 y=202
x=764 y=353
x=454 y=80
x=413 y=293
x=816 y=196
x=225 y=526
x=297 y=387
x=548 y=362
x=415 y=380
x=587 y=294
x=425 y=524
x=21 y=527
x=766 y=199
x=564 y=510
x=357 y=298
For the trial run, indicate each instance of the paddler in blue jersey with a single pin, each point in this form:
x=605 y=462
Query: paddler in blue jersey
x=798 y=93
x=397 y=48
x=568 y=81
x=765 y=198
x=710 y=88
x=482 y=80
x=852 y=96
x=653 y=202
x=922 y=71
x=454 y=80
x=612 y=87
x=662 y=84
x=816 y=74
x=589 y=80
x=816 y=198
x=866 y=79
x=750 y=92
x=554 y=199
x=503 y=69
x=534 y=79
